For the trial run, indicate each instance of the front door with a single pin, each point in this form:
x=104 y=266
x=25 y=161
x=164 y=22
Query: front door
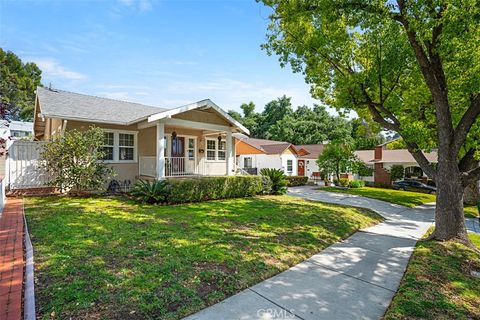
x=178 y=156
x=301 y=167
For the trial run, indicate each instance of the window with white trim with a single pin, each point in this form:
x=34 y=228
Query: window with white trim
x=119 y=146
x=222 y=146
x=108 y=146
x=126 y=146
x=216 y=150
x=289 y=165
x=191 y=149
x=247 y=163
x=211 y=149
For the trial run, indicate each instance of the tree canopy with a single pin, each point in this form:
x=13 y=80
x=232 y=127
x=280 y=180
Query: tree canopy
x=305 y=125
x=412 y=67
x=18 y=82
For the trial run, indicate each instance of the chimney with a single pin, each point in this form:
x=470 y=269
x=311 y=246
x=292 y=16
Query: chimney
x=378 y=153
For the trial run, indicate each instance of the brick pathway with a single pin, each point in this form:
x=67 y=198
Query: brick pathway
x=11 y=260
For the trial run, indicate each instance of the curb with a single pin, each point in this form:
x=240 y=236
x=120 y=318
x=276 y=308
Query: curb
x=29 y=291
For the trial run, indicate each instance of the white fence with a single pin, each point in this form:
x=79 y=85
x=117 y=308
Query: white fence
x=23 y=167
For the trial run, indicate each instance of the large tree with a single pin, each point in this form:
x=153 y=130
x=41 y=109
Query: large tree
x=18 y=82
x=411 y=66
x=310 y=126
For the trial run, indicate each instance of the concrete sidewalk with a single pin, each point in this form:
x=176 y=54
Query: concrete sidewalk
x=353 y=279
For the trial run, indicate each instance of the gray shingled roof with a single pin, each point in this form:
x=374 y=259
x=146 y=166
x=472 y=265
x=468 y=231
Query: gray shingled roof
x=75 y=106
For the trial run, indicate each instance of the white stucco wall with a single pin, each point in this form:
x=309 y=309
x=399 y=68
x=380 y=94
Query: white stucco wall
x=310 y=167
x=276 y=161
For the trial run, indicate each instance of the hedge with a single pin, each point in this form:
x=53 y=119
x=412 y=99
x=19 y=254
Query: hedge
x=198 y=189
x=294 y=181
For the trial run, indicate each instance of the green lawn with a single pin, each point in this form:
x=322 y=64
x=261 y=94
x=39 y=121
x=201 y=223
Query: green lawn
x=404 y=198
x=107 y=258
x=438 y=284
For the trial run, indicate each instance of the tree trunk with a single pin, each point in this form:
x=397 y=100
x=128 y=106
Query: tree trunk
x=449 y=219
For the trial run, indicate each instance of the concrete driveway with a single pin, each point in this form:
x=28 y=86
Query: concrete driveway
x=353 y=279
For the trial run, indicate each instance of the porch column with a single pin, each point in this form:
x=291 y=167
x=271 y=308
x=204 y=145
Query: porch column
x=160 y=150
x=229 y=153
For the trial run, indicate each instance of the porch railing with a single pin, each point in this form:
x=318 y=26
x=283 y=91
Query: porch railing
x=179 y=166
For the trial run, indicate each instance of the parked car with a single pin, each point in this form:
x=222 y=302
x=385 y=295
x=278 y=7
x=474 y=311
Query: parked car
x=412 y=185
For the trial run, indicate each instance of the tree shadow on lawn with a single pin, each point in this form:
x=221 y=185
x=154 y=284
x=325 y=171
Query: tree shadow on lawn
x=169 y=261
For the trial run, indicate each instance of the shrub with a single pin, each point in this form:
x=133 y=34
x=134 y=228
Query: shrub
x=294 y=181
x=343 y=182
x=356 y=183
x=211 y=188
x=73 y=161
x=151 y=192
x=278 y=179
x=266 y=185
x=396 y=172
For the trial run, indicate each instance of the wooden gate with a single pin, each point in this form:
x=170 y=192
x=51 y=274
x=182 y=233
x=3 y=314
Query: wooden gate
x=23 y=165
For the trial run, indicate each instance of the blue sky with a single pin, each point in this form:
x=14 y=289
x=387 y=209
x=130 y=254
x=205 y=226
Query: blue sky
x=164 y=53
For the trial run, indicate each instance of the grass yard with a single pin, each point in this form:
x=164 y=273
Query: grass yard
x=404 y=198
x=108 y=258
x=438 y=284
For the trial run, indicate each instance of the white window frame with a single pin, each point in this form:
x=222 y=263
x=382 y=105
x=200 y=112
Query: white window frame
x=216 y=150
x=110 y=146
x=289 y=171
x=116 y=146
x=248 y=159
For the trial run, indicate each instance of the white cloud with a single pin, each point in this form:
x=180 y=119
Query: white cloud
x=53 y=69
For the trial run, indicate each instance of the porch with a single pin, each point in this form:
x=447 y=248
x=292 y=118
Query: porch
x=187 y=148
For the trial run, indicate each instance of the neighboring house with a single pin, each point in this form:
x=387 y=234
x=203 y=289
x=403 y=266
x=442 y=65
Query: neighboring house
x=381 y=160
x=307 y=160
x=256 y=154
x=21 y=130
x=145 y=141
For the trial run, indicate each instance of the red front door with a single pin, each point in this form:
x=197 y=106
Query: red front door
x=301 y=167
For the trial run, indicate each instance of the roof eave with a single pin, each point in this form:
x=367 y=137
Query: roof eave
x=194 y=106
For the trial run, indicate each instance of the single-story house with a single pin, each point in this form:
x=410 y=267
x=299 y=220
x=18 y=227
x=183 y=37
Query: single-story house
x=307 y=160
x=256 y=154
x=381 y=159
x=145 y=141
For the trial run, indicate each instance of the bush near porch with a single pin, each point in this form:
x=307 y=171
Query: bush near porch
x=107 y=258
x=295 y=181
x=186 y=190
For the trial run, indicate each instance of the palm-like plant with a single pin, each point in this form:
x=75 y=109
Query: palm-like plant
x=278 y=179
x=151 y=192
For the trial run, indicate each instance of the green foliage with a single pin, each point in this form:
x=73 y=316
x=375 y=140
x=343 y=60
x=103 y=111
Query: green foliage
x=365 y=135
x=73 y=161
x=343 y=182
x=305 y=125
x=396 y=144
x=212 y=188
x=278 y=179
x=151 y=192
x=397 y=172
x=357 y=183
x=266 y=185
x=336 y=158
x=362 y=169
x=295 y=181
x=18 y=82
